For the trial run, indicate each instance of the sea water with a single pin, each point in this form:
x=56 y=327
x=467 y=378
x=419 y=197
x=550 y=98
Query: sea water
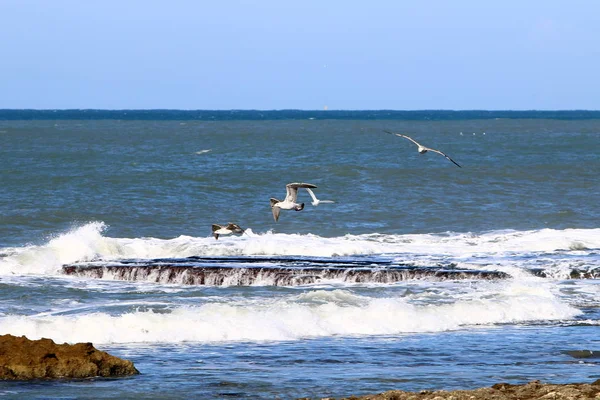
x=420 y=276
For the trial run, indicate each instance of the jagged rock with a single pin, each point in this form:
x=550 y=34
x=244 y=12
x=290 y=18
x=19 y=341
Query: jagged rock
x=24 y=359
x=499 y=391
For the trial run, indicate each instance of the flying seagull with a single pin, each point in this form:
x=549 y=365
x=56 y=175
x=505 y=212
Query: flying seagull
x=290 y=199
x=422 y=149
x=316 y=201
x=225 y=229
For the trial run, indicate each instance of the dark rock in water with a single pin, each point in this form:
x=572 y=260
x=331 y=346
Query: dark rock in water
x=583 y=353
x=499 y=391
x=593 y=273
x=276 y=276
x=24 y=359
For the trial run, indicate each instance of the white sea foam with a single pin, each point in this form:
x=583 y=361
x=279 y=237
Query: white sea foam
x=316 y=313
x=88 y=243
x=80 y=244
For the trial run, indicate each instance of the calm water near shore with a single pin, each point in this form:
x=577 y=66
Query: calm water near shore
x=421 y=275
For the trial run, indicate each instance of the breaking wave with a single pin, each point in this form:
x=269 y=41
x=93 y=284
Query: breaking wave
x=558 y=253
x=316 y=313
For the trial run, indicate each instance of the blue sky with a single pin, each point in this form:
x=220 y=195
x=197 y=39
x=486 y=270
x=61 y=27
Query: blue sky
x=346 y=55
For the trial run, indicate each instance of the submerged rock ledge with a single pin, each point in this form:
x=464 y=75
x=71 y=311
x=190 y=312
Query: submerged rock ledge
x=274 y=276
x=499 y=391
x=25 y=359
x=290 y=270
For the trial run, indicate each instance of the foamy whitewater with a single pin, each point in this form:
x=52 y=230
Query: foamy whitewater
x=470 y=277
x=330 y=308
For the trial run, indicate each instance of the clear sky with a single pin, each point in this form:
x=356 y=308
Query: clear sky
x=305 y=54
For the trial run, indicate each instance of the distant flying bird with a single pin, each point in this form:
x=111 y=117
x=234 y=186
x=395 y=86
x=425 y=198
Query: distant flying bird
x=422 y=149
x=225 y=229
x=316 y=201
x=290 y=199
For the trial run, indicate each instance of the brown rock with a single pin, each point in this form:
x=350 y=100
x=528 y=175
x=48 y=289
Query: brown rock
x=23 y=359
x=499 y=391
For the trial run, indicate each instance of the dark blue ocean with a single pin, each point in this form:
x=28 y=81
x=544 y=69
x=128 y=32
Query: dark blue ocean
x=421 y=275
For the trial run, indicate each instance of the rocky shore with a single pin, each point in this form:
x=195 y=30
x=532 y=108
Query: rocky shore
x=499 y=391
x=24 y=359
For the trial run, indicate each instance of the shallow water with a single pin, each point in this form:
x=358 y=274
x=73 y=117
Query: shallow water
x=334 y=366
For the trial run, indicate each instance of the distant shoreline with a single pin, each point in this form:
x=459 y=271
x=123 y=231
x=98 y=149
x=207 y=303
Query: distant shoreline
x=257 y=115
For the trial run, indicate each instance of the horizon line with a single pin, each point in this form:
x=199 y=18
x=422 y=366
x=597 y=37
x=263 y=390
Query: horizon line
x=307 y=110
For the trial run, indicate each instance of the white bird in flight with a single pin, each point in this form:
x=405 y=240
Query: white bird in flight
x=290 y=199
x=315 y=202
x=422 y=149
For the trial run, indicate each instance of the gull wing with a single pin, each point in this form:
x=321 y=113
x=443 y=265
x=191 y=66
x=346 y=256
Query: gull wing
x=312 y=195
x=317 y=201
x=275 y=211
x=292 y=190
x=215 y=228
x=412 y=140
x=291 y=193
x=439 y=152
x=405 y=137
x=235 y=228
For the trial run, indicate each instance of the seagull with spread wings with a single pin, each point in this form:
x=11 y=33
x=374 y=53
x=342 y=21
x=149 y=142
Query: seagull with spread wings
x=290 y=199
x=422 y=149
x=228 y=229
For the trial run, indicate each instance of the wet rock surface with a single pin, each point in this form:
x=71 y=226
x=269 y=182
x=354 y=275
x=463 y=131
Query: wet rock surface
x=499 y=391
x=276 y=276
x=24 y=359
